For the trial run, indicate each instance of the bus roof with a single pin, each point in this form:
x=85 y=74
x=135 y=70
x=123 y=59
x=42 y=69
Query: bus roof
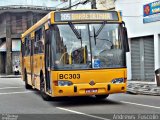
x=38 y=24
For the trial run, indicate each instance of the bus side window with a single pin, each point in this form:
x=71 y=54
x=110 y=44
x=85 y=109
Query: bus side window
x=29 y=47
x=39 y=42
x=26 y=47
x=35 y=43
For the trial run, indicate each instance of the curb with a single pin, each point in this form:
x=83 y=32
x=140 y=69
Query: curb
x=143 y=89
x=10 y=76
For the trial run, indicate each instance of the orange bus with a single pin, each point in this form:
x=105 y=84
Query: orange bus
x=76 y=53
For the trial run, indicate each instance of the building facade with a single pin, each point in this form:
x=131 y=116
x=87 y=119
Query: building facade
x=106 y=4
x=142 y=20
x=100 y=4
x=15 y=18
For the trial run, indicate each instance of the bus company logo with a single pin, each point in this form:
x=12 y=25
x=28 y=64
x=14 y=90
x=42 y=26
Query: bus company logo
x=147 y=9
x=92 y=83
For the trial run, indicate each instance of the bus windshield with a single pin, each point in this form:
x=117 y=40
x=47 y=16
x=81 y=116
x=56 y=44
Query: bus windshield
x=87 y=46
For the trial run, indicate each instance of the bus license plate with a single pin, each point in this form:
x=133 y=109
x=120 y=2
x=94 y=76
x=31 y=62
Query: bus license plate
x=91 y=90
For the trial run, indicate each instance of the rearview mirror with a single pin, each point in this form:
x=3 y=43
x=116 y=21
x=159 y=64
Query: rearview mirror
x=125 y=39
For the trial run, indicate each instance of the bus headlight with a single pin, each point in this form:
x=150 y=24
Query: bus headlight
x=64 y=83
x=117 y=80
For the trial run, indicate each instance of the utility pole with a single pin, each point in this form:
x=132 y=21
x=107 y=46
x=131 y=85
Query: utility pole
x=70 y=4
x=93 y=4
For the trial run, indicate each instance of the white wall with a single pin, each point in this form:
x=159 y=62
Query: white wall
x=132 y=14
x=157 y=50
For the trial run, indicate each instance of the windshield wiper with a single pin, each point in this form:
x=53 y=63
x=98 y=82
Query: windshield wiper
x=78 y=35
x=99 y=30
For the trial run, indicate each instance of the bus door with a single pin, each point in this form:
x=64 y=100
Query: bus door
x=47 y=59
x=32 y=63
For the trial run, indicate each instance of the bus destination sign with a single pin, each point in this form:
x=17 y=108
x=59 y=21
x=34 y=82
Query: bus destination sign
x=85 y=15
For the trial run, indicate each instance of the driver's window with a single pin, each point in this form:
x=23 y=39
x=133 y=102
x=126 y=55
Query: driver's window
x=70 y=49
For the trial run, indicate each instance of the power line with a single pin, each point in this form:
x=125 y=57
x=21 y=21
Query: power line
x=76 y=3
x=60 y=4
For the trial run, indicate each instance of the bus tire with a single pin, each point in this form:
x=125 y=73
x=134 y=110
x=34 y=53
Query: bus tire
x=101 y=97
x=42 y=89
x=27 y=86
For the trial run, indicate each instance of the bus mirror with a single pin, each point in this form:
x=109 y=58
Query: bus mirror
x=125 y=38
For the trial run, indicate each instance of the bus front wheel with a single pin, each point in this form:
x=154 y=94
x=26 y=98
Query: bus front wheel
x=101 y=97
x=42 y=90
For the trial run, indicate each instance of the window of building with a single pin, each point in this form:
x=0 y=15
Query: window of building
x=19 y=21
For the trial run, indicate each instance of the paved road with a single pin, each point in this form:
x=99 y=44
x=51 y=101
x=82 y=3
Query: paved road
x=15 y=101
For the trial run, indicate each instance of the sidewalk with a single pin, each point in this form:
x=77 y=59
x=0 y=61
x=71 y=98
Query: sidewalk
x=143 y=88
x=9 y=76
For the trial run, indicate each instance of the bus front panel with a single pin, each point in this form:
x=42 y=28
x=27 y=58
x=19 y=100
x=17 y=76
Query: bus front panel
x=88 y=82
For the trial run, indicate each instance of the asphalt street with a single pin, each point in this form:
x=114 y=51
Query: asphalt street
x=18 y=103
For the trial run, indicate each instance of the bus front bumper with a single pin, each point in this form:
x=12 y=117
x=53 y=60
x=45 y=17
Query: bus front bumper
x=87 y=90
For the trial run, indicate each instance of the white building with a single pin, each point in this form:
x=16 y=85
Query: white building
x=142 y=18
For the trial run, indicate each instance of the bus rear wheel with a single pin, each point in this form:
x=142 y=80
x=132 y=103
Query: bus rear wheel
x=101 y=97
x=42 y=90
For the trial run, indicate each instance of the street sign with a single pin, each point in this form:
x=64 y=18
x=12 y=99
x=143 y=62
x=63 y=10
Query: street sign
x=151 y=12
